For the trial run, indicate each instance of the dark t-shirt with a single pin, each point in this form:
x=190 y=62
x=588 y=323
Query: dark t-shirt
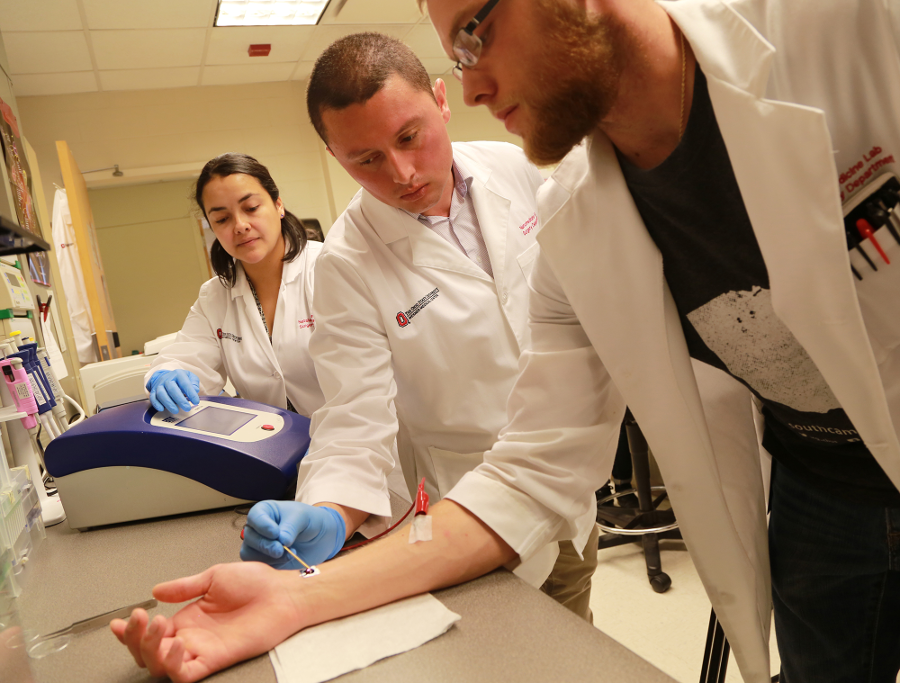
x=693 y=210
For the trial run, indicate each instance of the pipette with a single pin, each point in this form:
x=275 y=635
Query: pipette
x=51 y=386
x=27 y=448
x=59 y=410
x=20 y=389
x=40 y=387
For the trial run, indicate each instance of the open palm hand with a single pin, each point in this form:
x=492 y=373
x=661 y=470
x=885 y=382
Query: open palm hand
x=243 y=610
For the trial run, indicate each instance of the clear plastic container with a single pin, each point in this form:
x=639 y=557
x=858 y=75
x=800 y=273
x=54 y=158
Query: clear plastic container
x=21 y=525
x=30 y=500
x=12 y=518
x=14 y=642
x=21 y=479
x=34 y=525
x=8 y=588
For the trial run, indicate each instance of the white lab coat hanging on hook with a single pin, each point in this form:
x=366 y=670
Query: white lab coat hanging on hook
x=66 y=252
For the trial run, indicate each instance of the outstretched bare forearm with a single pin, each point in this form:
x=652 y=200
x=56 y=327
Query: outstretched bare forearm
x=390 y=569
x=244 y=609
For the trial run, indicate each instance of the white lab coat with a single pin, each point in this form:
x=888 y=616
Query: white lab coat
x=224 y=338
x=605 y=328
x=66 y=252
x=447 y=373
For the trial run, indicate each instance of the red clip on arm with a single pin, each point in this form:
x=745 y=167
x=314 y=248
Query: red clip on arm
x=421 y=499
x=867 y=233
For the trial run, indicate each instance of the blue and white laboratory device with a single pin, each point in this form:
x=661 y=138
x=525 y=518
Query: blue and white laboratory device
x=132 y=462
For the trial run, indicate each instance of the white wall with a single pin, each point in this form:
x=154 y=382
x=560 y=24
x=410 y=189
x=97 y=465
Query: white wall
x=178 y=130
x=188 y=126
x=185 y=126
x=473 y=123
x=153 y=257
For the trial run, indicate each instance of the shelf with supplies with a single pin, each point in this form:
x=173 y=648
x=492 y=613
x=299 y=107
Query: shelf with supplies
x=17 y=240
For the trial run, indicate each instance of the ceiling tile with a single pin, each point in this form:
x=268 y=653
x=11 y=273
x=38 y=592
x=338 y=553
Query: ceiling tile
x=246 y=73
x=424 y=41
x=49 y=15
x=326 y=35
x=381 y=12
x=303 y=70
x=148 y=49
x=229 y=45
x=36 y=52
x=150 y=79
x=124 y=14
x=54 y=84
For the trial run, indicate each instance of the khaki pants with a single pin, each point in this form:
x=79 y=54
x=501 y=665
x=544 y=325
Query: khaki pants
x=570 y=581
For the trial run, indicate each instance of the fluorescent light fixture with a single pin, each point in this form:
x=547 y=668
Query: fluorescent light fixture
x=270 y=12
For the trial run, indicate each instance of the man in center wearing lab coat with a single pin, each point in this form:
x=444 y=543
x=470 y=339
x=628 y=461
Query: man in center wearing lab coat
x=420 y=308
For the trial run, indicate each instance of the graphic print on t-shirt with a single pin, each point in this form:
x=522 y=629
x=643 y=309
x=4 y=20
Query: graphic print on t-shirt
x=692 y=207
x=741 y=328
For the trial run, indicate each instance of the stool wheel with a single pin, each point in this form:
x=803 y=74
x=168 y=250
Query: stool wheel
x=661 y=582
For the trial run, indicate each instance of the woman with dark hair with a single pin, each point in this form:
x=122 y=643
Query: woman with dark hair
x=251 y=324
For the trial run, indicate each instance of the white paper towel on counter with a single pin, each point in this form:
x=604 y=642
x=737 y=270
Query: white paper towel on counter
x=332 y=649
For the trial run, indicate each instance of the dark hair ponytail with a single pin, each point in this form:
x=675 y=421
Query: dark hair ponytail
x=291 y=227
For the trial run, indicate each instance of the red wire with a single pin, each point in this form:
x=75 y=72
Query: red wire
x=386 y=531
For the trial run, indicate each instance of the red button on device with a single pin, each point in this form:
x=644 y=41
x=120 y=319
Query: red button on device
x=268 y=428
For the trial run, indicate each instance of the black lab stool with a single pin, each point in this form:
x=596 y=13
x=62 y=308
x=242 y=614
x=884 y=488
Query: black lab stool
x=646 y=522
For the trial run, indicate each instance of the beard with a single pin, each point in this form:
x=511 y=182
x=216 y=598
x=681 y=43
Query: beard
x=577 y=78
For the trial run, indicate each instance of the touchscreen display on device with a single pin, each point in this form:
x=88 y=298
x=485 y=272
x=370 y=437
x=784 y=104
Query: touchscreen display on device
x=217 y=421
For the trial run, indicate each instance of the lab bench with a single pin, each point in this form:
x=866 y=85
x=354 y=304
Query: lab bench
x=508 y=632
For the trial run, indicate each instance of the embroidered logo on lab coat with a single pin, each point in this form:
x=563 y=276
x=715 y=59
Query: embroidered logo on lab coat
x=529 y=225
x=404 y=318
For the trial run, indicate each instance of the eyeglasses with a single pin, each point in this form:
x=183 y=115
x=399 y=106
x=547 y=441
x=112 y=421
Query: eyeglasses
x=466 y=45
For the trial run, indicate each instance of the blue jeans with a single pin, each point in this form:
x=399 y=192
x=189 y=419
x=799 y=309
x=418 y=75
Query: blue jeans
x=835 y=585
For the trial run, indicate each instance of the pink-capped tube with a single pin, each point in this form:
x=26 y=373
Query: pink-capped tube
x=20 y=389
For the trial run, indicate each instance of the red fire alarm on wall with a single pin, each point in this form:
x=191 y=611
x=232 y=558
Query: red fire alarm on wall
x=260 y=50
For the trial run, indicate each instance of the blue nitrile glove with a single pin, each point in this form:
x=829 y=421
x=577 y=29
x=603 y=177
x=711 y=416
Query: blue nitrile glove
x=173 y=390
x=315 y=534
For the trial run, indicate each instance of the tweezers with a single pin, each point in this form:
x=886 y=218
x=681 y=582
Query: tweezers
x=98 y=621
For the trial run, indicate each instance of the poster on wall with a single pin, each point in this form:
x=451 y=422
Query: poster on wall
x=22 y=190
x=18 y=170
x=39 y=267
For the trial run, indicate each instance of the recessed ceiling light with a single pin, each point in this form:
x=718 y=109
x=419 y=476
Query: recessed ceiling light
x=270 y=12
